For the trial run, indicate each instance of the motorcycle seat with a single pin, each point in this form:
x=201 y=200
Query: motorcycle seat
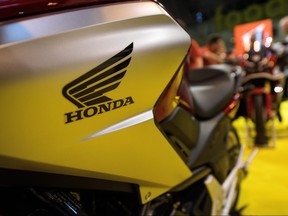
x=212 y=88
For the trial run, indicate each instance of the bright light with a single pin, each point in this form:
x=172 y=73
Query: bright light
x=246 y=42
x=278 y=89
x=257 y=46
x=268 y=41
x=52 y=3
x=245 y=56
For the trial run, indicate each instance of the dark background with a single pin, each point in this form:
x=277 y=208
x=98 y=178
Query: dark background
x=187 y=9
x=199 y=16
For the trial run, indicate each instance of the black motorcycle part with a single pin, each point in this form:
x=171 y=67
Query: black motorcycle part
x=100 y=196
x=194 y=200
x=63 y=202
x=54 y=202
x=192 y=197
x=182 y=131
x=233 y=147
x=260 y=120
x=9 y=177
x=211 y=145
x=212 y=89
x=22 y=202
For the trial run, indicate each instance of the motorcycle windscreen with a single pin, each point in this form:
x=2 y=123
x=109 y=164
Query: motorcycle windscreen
x=77 y=92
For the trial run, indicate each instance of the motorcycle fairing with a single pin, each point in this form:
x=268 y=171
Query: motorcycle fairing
x=201 y=140
x=210 y=136
x=182 y=130
x=53 y=50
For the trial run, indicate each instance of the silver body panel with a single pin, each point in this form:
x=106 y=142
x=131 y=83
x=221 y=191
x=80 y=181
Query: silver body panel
x=40 y=55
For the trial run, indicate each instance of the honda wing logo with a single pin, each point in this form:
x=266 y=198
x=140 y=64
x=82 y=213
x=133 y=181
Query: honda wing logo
x=89 y=91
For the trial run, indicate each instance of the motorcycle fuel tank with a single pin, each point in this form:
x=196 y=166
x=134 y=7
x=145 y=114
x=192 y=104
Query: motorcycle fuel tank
x=77 y=92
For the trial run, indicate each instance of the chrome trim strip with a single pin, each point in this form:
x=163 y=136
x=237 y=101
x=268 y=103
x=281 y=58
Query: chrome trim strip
x=124 y=124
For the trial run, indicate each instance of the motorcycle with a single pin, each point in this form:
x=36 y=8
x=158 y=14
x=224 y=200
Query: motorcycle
x=262 y=93
x=280 y=49
x=100 y=116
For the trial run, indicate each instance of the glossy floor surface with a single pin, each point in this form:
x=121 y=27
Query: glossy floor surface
x=265 y=190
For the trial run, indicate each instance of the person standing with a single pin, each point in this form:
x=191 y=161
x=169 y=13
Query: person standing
x=215 y=50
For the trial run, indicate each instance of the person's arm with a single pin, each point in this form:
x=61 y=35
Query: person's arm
x=196 y=60
x=212 y=57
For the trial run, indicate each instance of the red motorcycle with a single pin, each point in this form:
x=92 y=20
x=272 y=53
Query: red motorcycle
x=262 y=92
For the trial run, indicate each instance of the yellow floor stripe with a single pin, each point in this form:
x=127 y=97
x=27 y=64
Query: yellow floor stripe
x=265 y=189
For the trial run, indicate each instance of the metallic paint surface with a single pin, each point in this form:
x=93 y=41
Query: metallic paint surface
x=59 y=48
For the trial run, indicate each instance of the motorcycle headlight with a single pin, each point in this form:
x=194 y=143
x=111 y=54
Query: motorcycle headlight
x=278 y=89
